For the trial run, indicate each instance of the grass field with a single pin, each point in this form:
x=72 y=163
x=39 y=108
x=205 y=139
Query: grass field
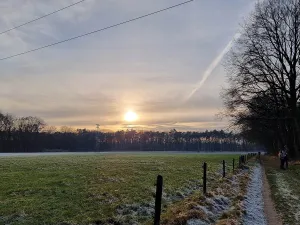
x=96 y=189
x=285 y=187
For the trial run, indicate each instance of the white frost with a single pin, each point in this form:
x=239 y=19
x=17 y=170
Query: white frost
x=254 y=204
x=286 y=192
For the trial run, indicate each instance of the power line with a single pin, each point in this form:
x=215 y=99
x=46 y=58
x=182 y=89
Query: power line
x=23 y=24
x=95 y=31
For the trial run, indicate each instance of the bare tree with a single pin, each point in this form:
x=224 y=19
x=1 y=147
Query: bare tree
x=50 y=129
x=66 y=129
x=28 y=129
x=265 y=62
x=6 y=131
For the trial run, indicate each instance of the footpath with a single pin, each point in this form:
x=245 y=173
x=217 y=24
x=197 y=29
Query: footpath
x=269 y=207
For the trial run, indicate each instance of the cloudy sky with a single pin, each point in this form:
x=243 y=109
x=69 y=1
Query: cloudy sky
x=156 y=66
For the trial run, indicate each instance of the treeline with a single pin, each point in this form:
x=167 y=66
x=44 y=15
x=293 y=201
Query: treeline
x=263 y=99
x=31 y=134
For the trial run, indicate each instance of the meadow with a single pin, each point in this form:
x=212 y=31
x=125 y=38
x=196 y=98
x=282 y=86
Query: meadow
x=97 y=189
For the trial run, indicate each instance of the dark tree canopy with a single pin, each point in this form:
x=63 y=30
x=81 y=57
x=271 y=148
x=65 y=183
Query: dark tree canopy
x=264 y=76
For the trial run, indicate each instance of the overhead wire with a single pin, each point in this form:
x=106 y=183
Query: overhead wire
x=96 y=31
x=31 y=21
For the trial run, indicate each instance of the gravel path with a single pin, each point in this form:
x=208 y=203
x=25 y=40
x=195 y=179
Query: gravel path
x=254 y=202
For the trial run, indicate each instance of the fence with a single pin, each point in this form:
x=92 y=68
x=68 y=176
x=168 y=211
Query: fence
x=159 y=183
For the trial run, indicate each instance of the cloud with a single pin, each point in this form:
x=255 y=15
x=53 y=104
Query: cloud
x=148 y=65
x=40 y=32
x=205 y=102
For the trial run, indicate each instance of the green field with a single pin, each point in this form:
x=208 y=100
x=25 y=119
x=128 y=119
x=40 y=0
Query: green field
x=95 y=189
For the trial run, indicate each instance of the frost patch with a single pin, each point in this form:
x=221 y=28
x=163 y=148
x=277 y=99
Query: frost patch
x=222 y=202
x=196 y=222
x=130 y=213
x=213 y=209
x=141 y=210
x=286 y=192
x=190 y=188
x=20 y=217
x=284 y=187
x=253 y=203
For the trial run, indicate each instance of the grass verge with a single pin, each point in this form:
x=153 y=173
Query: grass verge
x=285 y=188
x=222 y=205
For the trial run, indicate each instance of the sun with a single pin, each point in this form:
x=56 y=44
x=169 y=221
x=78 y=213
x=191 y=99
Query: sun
x=130 y=116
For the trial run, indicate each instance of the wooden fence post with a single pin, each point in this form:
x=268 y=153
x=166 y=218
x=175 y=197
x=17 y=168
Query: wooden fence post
x=223 y=168
x=204 y=177
x=158 y=196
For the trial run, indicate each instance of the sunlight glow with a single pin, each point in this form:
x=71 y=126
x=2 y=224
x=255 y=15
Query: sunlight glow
x=130 y=116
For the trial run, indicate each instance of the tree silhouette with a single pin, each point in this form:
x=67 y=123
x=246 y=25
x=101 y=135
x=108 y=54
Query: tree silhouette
x=264 y=74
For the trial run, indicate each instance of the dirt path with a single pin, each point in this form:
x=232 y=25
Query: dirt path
x=271 y=215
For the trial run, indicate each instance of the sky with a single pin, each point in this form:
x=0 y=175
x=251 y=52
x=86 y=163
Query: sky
x=167 y=68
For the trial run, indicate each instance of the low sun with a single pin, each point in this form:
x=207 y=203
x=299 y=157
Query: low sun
x=130 y=116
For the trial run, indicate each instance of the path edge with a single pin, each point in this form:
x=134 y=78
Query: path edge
x=271 y=214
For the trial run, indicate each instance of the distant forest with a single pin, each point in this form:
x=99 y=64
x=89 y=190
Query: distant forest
x=31 y=134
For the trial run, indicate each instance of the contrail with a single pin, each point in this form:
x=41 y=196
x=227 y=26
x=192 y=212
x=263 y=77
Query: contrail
x=212 y=66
